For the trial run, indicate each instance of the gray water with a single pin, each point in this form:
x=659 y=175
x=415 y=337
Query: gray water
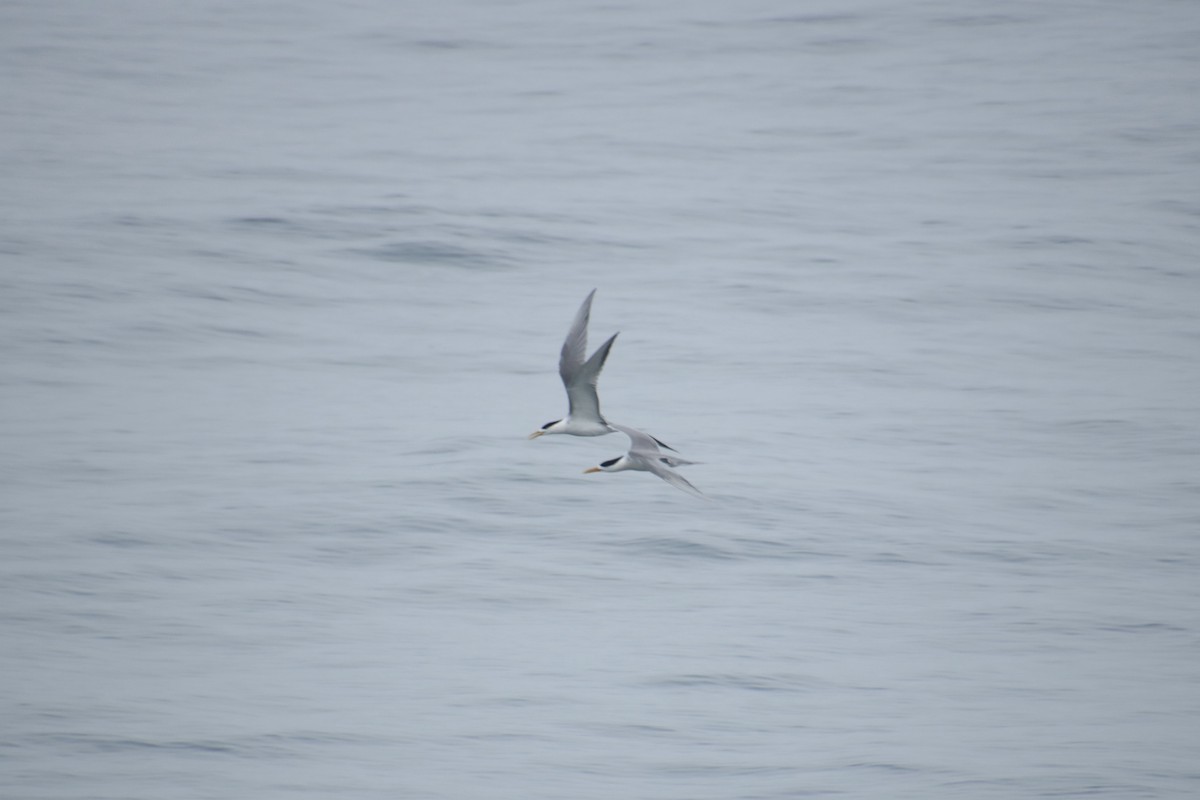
x=282 y=293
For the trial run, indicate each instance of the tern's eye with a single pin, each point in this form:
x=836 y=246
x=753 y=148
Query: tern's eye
x=610 y=462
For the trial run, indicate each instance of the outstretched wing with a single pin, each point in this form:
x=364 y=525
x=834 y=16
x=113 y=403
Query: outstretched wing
x=661 y=443
x=674 y=478
x=640 y=440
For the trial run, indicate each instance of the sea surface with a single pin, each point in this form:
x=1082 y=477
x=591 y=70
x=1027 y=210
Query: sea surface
x=282 y=289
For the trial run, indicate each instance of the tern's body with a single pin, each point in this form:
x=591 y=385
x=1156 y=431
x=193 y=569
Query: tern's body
x=645 y=456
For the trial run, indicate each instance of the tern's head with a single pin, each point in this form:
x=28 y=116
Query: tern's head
x=612 y=465
x=550 y=427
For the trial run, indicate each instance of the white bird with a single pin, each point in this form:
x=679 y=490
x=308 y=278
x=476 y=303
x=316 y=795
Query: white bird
x=579 y=376
x=644 y=455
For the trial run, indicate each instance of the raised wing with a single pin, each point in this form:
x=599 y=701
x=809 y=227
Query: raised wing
x=581 y=385
x=574 y=349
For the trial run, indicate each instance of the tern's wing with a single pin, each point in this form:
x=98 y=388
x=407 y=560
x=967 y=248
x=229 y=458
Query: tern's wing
x=666 y=458
x=574 y=349
x=672 y=477
x=639 y=440
x=661 y=443
x=581 y=387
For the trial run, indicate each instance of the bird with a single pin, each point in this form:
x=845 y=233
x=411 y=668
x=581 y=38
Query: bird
x=579 y=375
x=644 y=455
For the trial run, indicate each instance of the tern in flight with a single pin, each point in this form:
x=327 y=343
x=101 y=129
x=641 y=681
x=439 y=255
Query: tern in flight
x=579 y=375
x=644 y=455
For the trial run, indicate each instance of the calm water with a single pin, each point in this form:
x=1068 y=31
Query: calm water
x=282 y=293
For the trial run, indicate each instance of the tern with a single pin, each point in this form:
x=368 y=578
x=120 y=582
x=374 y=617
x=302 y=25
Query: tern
x=579 y=375
x=644 y=455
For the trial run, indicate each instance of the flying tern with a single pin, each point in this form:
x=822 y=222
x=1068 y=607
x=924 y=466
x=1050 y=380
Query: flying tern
x=579 y=375
x=644 y=455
